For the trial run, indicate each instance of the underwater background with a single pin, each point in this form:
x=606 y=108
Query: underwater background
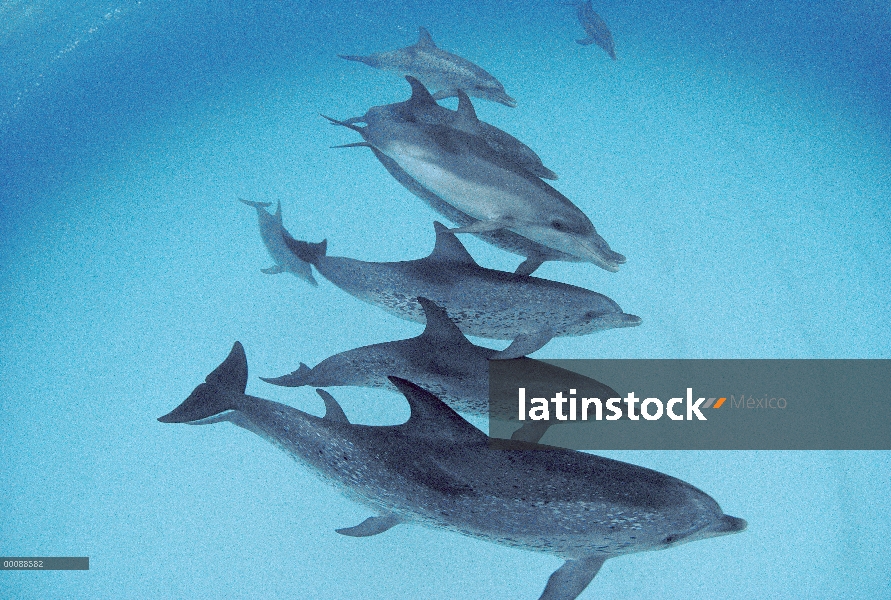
x=738 y=154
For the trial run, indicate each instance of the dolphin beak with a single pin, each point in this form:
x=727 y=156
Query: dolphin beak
x=507 y=101
x=730 y=524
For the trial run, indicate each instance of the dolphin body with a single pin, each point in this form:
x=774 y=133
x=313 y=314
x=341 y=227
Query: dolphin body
x=480 y=301
x=465 y=119
x=438 y=69
x=271 y=232
x=464 y=171
x=440 y=360
x=596 y=28
x=439 y=471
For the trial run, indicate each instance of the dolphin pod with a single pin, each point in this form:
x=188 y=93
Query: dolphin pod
x=466 y=171
x=483 y=302
x=438 y=69
x=439 y=471
x=436 y=469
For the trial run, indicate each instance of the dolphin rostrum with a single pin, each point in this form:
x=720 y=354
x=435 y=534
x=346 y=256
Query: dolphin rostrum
x=438 y=69
x=439 y=471
x=441 y=360
x=481 y=302
x=464 y=171
x=595 y=27
x=271 y=230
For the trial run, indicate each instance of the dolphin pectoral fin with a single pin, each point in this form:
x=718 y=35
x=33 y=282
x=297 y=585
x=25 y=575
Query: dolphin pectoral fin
x=586 y=42
x=371 y=526
x=446 y=93
x=531 y=431
x=333 y=411
x=570 y=580
x=528 y=266
x=526 y=343
x=273 y=270
x=480 y=227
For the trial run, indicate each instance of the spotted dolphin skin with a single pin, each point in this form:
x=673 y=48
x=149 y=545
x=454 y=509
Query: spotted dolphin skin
x=271 y=232
x=439 y=471
x=596 y=28
x=481 y=302
x=440 y=360
x=464 y=171
x=438 y=69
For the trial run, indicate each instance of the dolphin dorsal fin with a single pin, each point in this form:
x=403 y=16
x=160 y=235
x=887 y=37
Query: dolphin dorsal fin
x=430 y=415
x=278 y=213
x=425 y=40
x=420 y=95
x=439 y=326
x=333 y=411
x=465 y=107
x=449 y=248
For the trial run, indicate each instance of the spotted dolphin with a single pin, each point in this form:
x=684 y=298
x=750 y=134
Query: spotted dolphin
x=596 y=28
x=271 y=230
x=465 y=172
x=481 y=302
x=441 y=360
x=438 y=69
x=439 y=471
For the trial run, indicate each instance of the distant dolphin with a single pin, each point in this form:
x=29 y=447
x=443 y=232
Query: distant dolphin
x=441 y=360
x=481 y=302
x=438 y=69
x=271 y=230
x=465 y=172
x=439 y=471
x=595 y=27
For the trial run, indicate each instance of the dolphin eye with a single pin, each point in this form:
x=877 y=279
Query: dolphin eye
x=557 y=225
x=671 y=539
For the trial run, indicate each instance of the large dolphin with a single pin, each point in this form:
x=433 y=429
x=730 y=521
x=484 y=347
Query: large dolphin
x=271 y=230
x=482 y=302
x=440 y=360
x=596 y=28
x=535 y=253
x=438 y=69
x=464 y=171
x=439 y=471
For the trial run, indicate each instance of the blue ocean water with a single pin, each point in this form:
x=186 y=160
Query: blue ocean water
x=738 y=155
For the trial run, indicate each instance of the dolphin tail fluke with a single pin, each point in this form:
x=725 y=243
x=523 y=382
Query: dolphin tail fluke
x=306 y=251
x=297 y=378
x=257 y=205
x=217 y=394
x=570 y=580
